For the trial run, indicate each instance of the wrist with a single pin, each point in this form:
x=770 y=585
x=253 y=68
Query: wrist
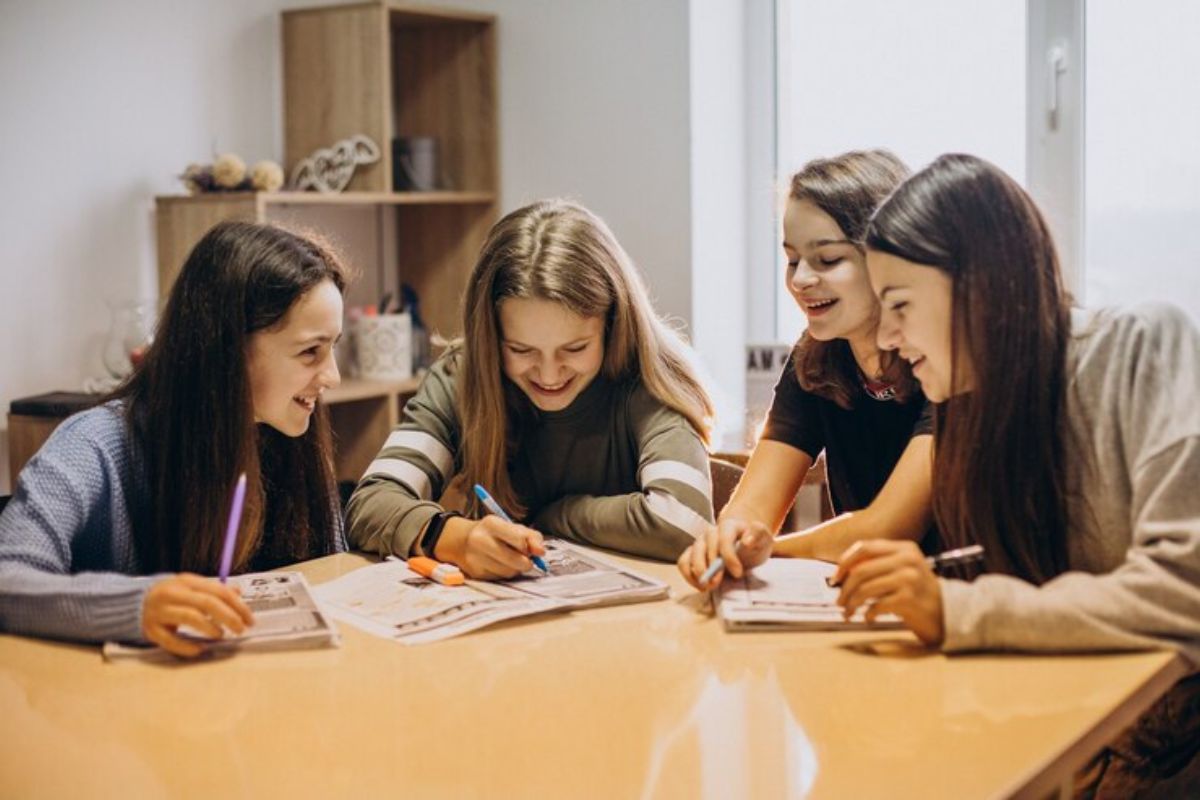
x=451 y=547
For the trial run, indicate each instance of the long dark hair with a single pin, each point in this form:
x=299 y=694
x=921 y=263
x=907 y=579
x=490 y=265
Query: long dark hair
x=999 y=473
x=190 y=409
x=848 y=188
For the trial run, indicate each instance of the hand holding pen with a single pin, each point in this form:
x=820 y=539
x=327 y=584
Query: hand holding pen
x=884 y=576
x=492 y=506
x=731 y=547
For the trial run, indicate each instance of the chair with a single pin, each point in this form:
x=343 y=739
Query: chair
x=725 y=477
x=4 y=498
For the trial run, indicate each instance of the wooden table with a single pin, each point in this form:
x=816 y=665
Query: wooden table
x=651 y=700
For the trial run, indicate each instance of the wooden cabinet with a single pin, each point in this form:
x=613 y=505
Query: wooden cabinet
x=384 y=70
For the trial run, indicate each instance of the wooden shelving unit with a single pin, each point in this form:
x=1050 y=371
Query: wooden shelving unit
x=385 y=70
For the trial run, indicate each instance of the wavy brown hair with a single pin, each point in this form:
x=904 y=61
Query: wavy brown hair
x=557 y=250
x=190 y=409
x=999 y=476
x=848 y=188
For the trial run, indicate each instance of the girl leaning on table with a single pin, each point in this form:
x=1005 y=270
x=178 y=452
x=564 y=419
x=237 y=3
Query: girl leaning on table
x=113 y=518
x=1067 y=445
x=568 y=399
x=839 y=392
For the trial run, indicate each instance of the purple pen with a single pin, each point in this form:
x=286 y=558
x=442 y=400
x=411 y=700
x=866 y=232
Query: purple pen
x=235 y=521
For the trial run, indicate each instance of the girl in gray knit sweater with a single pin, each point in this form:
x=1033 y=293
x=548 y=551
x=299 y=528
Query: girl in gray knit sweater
x=114 y=517
x=1067 y=443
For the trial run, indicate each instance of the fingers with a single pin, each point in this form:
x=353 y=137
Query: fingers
x=229 y=596
x=872 y=591
x=169 y=641
x=689 y=561
x=867 y=550
x=520 y=538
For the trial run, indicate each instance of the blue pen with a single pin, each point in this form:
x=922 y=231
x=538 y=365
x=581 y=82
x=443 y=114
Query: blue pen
x=494 y=507
x=717 y=565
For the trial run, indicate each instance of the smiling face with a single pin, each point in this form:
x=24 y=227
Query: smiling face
x=292 y=363
x=827 y=275
x=549 y=351
x=916 y=321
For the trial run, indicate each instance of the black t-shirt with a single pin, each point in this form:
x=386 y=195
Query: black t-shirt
x=862 y=444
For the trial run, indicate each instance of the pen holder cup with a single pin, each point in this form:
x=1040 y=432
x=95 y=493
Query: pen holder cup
x=383 y=347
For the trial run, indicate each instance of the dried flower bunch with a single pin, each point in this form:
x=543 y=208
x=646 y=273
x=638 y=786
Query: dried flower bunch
x=228 y=174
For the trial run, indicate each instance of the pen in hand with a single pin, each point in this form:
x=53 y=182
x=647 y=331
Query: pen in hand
x=491 y=505
x=231 y=530
x=717 y=565
x=942 y=561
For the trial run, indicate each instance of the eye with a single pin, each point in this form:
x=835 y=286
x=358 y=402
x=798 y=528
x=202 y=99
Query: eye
x=898 y=306
x=577 y=348
x=831 y=261
x=518 y=351
x=311 y=352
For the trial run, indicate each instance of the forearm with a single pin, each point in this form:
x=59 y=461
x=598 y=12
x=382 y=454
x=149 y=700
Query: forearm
x=88 y=607
x=655 y=526
x=383 y=518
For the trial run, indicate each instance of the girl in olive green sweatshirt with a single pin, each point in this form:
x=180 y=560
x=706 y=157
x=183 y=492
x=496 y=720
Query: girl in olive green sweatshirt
x=567 y=399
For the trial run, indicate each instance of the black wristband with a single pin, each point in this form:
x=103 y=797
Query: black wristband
x=433 y=531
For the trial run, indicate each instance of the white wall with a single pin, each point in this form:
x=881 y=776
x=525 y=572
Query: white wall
x=1142 y=174
x=103 y=104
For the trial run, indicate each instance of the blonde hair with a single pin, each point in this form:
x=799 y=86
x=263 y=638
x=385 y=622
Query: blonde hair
x=557 y=250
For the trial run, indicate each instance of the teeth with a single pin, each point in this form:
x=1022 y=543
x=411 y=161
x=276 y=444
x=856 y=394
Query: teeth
x=819 y=303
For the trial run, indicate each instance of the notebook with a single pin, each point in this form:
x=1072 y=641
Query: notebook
x=788 y=594
x=391 y=601
x=286 y=617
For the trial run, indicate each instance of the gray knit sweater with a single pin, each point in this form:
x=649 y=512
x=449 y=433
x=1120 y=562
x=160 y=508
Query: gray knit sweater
x=68 y=566
x=1133 y=407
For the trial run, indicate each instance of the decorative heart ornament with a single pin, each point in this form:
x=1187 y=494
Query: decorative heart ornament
x=330 y=169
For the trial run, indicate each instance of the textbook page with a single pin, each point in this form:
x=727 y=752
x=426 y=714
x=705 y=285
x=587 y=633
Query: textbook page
x=788 y=593
x=584 y=579
x=390 y=600
x=286 y=616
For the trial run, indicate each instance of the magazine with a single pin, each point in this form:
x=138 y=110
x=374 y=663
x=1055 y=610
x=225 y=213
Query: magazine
x=390 y=600
x=789 y=594
x=286 y=617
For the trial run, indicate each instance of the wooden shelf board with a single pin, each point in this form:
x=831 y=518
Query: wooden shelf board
x=359 y=389
x=339 y=199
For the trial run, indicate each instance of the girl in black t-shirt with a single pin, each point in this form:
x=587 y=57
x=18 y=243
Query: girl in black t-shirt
x=839 y=393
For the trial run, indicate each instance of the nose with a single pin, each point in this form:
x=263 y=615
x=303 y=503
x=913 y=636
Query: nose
x=888 y=335
x=548 y=370
x=330 y=377
x=803 y=277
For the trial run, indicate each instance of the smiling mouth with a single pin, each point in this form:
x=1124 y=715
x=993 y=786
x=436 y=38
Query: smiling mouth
x=551 y=390
x=818 y=306
x=308 y=403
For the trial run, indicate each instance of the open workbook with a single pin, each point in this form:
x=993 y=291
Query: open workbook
x=788 y=593
x=286 y=616
x=390 y=600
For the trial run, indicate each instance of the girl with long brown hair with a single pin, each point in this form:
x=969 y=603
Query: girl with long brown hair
x=839 y=393
x=567 y=398
x=1067 y=445
x=113 y=518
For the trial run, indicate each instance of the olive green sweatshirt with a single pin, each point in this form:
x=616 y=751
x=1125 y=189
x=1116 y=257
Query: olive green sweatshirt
x=616 y=469
x=1133 y=410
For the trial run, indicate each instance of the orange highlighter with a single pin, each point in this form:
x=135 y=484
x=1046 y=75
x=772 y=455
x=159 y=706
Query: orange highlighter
x=446 y=574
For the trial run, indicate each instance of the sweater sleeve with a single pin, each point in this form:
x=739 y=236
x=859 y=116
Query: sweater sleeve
x=395 y=498
x=673 y=506
x=1152 y=598
x=62 y=507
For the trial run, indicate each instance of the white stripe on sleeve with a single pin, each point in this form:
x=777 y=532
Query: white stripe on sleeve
x=673 y=512
x=425 y=444
x=406 y=472
x=677 y=471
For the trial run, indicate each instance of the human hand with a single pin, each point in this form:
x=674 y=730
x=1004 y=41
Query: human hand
x=203 y=604
x=722 y=540
x=891 y=577
x=489 y=548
